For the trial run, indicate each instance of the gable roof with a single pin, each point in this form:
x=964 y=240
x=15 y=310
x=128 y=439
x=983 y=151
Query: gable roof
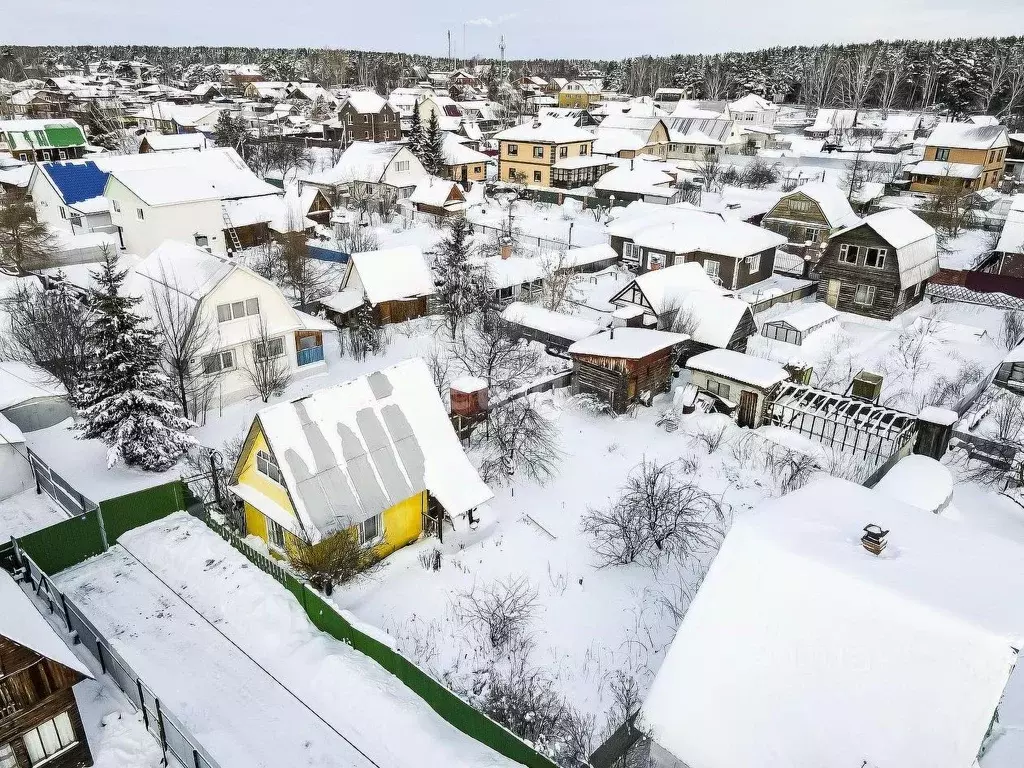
x=627 y=343
x=913 y=238
x=737 y=366
x=22 y=623
x=394 y=273
x=801 y=640
x=75 y=181
x=365 y=101
x=362 y=161
x=698 y=130
x=351 y=451
x=457 y=153
x=160 y=142
x=186 y=269
x=968 y=136
x=1011 y=240
x=830 y=199
x=546 y=132
x=42 y=134
x=437 y=193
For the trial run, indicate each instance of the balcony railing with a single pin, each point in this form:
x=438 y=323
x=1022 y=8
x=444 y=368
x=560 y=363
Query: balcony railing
x=310 y=355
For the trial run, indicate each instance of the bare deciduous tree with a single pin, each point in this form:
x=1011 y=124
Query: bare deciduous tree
x=519 y=438
x=1012 y=331
x=952 y=206
x=709 y=166
x=265 y=366
x=25 y=242
x=486 y=350
x=503 y=610
x=307 y=278
x=561 y=281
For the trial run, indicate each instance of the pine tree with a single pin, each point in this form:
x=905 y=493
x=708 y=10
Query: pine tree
x=122 y=395
x=433 y=147
x=415 y=137
x=459 y=293
x=229 y=132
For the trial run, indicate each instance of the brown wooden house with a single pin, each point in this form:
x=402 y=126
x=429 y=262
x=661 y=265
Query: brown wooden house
x=365 y=116
x=396 y=283
x=809 y=213
x=624 y=365
x=39 y=719
x=879 y=267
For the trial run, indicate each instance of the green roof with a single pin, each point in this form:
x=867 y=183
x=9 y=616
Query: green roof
x=49 y=137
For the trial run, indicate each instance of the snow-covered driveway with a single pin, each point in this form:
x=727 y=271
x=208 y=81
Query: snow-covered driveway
x=228 y=694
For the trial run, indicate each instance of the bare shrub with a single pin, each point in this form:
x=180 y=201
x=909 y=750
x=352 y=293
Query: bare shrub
x=586 y=402
x=518 y=437
x=503 y=610
x=759 y=174
x=658 y=514
x=266 y=368
x=430 y=559
x=330 y=561
x=710 y=437
x=1012 y=330
x=357 y=239
x=1009 y=418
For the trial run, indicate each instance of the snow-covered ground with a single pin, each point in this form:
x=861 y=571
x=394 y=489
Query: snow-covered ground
x=26 y=512
x=231 y=652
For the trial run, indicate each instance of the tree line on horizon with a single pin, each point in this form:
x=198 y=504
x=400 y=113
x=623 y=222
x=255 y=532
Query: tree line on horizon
x=963 y=76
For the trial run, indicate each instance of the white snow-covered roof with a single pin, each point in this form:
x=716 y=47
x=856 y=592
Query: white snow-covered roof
x=661 y=287
x=740 y=203
x=967 y=136
x=160 y=142
x=919 y=481
x=22 y=623
x=913 y=238
x=830 y=199
x=186 y=269
x=437 y=193
x=637 y=180
x=677 y=229
x=737 y=366
x=943 y=168
x=589 y=254
x=10 y=434
x=555 y=323
x=752 y=103
x=611 y=141
x=351 y=451
x=629 y=343
x=807 y=316
x=546 y=132
x=256 y=210
x=457 y=153
x=343 y=301
x=365 y=101
x=1011 y=240
x=391 y=274
x=20 y=383
x=362 y=161
x=803 y=650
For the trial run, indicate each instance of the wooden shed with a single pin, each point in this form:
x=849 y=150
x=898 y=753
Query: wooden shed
x=744 y=381
x=624 y=365
x=795 y=326
x=552 y=329
x=395 y=282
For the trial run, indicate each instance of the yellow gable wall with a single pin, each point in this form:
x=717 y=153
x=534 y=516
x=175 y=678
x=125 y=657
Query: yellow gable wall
x=402 y=523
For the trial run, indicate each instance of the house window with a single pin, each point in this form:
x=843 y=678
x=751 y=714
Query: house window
x=754 y=263
x=370 y=530
x=218 y=361
x=689 y=149
x=48 y=739
x=711 y=267
x=991 y=157
x=848 y=253
x=266 y=466
x=942 y=154
x=401 y=166
x=800 y=205
x=505 y=294
x=511 y=174
x=538 y=151
x=1017 y=372
x=583 y=149
x=270 y=349
x=237 y=309
x=476 y=169
x=631 y=253
x=63 y=212
x=875 y=257
x=513 y=149
x=366 y=134
x=23 y=157
x=865 y=295
x=7 y=759
x=202 y=240
x=366 y=118
x=62 y=154
x=671 y=147
x=563 y=152
x=348 y=118
x=718 y=388
x=46 y=154
x=275 y=534
x=536 y=176
x=140 y=214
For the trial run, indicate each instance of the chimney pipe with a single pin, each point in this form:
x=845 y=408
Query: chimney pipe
x=874 y=539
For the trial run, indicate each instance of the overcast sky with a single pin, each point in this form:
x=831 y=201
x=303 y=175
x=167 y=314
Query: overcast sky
x=532 y=28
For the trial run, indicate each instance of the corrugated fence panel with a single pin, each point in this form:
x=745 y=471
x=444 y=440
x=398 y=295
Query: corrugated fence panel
x=140 y=508
x=64 y=544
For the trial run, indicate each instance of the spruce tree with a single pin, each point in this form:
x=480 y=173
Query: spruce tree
x=433 y=147
x=122 y=395
x=460 y=292
x=415 y=137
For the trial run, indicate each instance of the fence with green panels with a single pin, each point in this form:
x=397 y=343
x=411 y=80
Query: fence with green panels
x=73 y=541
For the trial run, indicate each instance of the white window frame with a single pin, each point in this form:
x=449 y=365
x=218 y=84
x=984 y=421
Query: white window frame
x=719 y=388
x=275 y=534
x=869 y=295
x=223 y=360
x=845 y=251
x=271 y=344
x=804 y=206
x=7 y=756
x=140 y=214
x=1016 y=373
x=880 y=254
x=712 y=268
x=267 y=467
x=754 y=263
x=538 y=153
x=378 y=535
x=63 y=732
x=583 y=150
x=512 y=150
x=236 y=310
x=538 y=176
x=632 y=253
x=401 y=166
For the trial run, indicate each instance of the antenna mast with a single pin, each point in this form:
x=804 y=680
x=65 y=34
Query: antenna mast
x=449 y=47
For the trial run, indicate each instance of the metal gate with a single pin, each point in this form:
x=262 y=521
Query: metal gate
x=57 y=488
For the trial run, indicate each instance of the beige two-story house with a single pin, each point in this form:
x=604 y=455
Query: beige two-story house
x=972 y=155
x=548 y=154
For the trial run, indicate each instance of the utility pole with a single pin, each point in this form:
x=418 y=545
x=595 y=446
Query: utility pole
x=450 y=49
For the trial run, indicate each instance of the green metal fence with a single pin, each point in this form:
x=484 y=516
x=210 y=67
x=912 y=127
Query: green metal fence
x=67 y=543
x=141 y=508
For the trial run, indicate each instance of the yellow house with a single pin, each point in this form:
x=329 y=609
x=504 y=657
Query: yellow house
x=972 y=155
x=376 y=456
x=529 y=153
x=579 y=94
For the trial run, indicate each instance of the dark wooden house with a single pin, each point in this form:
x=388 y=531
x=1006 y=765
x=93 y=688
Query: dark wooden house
x=39 y=719
x=879 y=267
x=809 y=213
x=624 y=365
x=365 y=116
x=396 y=283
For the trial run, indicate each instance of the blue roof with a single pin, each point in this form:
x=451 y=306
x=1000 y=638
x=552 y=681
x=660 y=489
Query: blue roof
x=76 y=181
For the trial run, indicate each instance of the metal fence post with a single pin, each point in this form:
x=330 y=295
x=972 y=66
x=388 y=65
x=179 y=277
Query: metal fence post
x=67 y=616
x=163 y=734
x=103 y=528
x=142 y=703
x=99 y=654
x=195 y=758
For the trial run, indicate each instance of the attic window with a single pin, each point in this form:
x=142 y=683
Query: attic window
x=237 y=309
x=265 y=465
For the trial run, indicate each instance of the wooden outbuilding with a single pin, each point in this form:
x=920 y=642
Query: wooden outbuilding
x=625 y=365
x=796 y=326
x=740 y=380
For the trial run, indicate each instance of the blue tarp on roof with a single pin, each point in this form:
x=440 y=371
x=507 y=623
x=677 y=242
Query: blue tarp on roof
x=76 y=181
x=326 y=254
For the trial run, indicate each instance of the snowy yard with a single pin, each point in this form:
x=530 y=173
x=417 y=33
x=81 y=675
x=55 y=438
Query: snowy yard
x=592 y=626
x=231 y=652
x=26 y=512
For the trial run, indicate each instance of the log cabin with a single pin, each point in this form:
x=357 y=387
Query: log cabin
x=880 y=266
x=39 y=718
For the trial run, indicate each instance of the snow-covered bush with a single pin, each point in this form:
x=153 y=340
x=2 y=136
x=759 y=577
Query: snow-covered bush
x=503 y=610
x=330 y=561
